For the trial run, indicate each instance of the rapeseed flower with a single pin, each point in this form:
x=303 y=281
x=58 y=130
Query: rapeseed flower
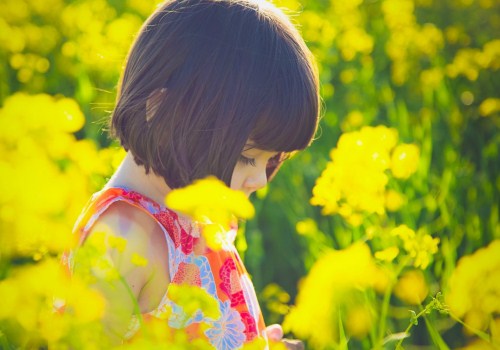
x=388 y=254
x=212 y=204
x=420 y=247
x=404 y=160
x=474 y=286
x=359 y=321
x=411 y=287
x=139 y=260
x=28 y=296
x=331 y=285
x=354 y=182
x=489 y=107
x=47 y=175
x=192 y=299
x=210 y=198
x=394 y=200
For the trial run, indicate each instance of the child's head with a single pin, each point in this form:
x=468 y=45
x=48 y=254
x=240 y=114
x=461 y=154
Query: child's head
x=206 y=76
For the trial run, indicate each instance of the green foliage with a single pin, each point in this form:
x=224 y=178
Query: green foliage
x=427 y=68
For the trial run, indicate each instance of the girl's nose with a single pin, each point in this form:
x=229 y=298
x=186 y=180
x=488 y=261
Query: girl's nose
x=256 y=181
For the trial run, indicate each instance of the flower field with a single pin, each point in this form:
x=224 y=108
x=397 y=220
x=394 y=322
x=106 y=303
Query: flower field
x=384 y=234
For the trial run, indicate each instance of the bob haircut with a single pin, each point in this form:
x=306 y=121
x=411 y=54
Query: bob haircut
x=205 y=76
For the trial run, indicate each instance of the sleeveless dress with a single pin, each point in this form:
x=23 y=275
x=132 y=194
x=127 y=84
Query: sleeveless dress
x=220 y=273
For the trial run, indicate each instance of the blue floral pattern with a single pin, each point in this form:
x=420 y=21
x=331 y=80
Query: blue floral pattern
x=226 y=333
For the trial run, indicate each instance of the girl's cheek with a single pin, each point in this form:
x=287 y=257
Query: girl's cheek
x=236 y=180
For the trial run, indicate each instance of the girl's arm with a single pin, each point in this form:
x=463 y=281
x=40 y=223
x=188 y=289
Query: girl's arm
x=141 y=271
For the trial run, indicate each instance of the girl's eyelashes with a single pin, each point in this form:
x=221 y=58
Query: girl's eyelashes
x=246 y=160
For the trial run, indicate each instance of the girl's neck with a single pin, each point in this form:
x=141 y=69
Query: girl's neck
x=134 y=177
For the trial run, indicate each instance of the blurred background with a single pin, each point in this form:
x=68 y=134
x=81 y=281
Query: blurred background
x=410 y=191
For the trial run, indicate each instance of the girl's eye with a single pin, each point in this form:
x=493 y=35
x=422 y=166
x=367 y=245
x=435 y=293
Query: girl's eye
x=247 y=161
x=277 y=159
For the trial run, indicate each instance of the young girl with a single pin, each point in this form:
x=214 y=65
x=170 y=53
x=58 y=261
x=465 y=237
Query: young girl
x=210 y=87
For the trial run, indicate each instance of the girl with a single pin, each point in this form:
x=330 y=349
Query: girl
x=210 y=87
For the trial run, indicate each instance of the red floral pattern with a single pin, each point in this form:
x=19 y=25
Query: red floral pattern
x=187 y=273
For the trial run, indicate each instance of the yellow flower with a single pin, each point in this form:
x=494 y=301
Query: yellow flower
x=393 y=200
x=355 y=180
x=489 y=107
x=87 y=304
x=421 y=247
x=388 y=254
x=210 y=198
x=275 y=298
x=70 y=118
x=431 y=78
x=93 y=261
x=36 y=132
x=474 y=286
x=331 y=283
x=192 y=299
x=138 y=260
x=404 y=161
x=411 y=287
x=306 y=227
x=10 y=298
x=403 y=232
x=119 y=243
x=212 y=204
x=28 y=296
x=260 y=343
x=359 y=321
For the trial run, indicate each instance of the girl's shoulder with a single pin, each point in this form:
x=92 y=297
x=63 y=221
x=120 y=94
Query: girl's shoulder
x=128 y=215
x=118 y=205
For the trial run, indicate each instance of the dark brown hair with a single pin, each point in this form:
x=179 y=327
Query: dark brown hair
x=203 y=77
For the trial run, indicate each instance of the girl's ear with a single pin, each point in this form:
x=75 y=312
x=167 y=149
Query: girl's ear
x=153 y=102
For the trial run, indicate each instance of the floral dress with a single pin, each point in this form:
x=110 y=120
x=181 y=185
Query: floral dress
x=220 y=273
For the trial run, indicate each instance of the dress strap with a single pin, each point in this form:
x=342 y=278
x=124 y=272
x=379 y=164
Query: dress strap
x=102 y=200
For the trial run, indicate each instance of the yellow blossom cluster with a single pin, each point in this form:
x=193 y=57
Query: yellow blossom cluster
x=408 y=40
x=349 y=22
x=419 y=246
x=355 y=180
x=411 y=287
x=27 y=44
x=469 y=62
x=335 y=286
x=46 y=173
x=489 y=107
x=99 y=37
x=28 y=296
x=35 y=35
x=474 y=287
x=214 y=205
x=353 y=38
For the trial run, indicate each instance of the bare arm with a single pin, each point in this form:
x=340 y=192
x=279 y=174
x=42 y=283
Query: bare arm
x=134 y=288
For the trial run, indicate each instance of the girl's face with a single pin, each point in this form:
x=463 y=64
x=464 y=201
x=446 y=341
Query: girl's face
x=249 y=174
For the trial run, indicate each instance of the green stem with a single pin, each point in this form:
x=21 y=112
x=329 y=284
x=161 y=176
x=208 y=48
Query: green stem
x=386 y=302
x=436 y=337
x=371 y=301
x=484 y=336
x=407 y=330
x=137 y=309
x=385 y=309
